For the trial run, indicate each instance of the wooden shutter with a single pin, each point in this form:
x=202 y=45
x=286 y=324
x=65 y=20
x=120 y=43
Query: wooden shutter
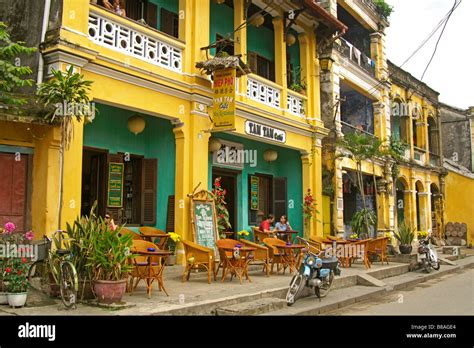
x=168 y=21
x=252 y=61
x=133 y=9
x=170 y=214
x=152 y=15
x=115 y=212
x=149 y=188
x=279 y=197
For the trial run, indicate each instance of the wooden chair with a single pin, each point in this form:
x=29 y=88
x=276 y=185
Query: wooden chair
x=276 y=256
x=140 y=269
x=127 y=231
x=364 y=246
x=261 y=255
x=378 y=247
x=147 y=230
x=198 y=256
x=224 y=255
x=259 y=235
x=317 y=242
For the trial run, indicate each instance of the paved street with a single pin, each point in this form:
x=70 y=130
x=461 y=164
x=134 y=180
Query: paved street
x=452 y=294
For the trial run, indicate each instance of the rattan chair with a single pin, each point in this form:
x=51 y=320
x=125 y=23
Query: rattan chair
x=162 y=244
x=378 y=247
x=261 y=255
x=224 y=256
x=259 y=235
x=276 y=256
x=198 y=256
x=127 y=231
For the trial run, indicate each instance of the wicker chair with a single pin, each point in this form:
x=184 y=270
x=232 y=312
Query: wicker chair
x=275 y=254
x=127 y=231
x=162 y=244
x=259 y=235
x=378 y=247
x=317 y=242
x=140 y=266
x=198 y=256
x=261 y=255
x=224 y=255
x=361 y=245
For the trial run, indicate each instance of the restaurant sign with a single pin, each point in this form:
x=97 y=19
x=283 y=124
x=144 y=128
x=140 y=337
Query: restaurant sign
x=266 y=132
x=224 y=100
x=254 y=192
x=115 y=187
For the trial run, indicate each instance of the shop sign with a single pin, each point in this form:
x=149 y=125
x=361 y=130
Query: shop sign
x=230 y=155
x=115 y=187
x=254 y=192
x=266 y=132
x=224 y=100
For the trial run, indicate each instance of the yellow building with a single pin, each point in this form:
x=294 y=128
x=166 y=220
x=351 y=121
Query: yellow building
x=153 y=122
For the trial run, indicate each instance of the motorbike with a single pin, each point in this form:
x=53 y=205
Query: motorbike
x=314 y=272
x=428 y=255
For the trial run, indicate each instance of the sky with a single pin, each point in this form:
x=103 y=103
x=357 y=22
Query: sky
x=452 y=71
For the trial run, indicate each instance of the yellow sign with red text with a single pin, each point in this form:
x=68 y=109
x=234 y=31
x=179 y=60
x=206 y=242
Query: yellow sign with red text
x=224 y=100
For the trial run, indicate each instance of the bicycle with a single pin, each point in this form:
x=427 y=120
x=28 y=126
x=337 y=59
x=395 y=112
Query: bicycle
x=56 y=264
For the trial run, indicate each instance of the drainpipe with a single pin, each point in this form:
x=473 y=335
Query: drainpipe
x=47 y=9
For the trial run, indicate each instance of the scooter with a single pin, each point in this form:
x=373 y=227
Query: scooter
x=314 y=272
x=427 y=254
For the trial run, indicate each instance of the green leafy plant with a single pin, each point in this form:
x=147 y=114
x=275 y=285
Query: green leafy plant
x=384 y=8
x=16 y=274
x=223 y=223
x=13 y=74
x=297 y=82
x=363 y=221
x=111 y=255
x=405 y=234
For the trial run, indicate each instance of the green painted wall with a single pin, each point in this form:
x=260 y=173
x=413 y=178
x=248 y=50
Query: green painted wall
x=262 y=41
x=170 y=5
x=287 y=165
x=294 y=56
x=222 y=22
x=109 y=131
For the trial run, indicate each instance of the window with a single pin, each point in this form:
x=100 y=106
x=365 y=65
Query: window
x=228 y=48
x=262 y=66
x=169 y=23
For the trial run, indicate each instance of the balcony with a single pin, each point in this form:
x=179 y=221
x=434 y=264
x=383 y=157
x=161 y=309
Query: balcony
x=295 y=104
x=264 y=92
x=125 y=36
x=356 y=56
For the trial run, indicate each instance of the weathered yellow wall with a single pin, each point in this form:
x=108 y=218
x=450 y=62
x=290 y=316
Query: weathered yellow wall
x=459 y=206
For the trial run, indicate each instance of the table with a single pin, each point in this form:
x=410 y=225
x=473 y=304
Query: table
x=289 y=258
x=238 y=267
x=289 y=235
x=150 y=275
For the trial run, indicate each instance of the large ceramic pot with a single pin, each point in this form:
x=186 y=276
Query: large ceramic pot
x=405 y=249
x=17 y=299
x=3 y=298
x=110 y=291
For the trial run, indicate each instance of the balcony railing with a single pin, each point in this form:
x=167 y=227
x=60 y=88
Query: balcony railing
x=355 y=55
x=110 y=33
x=348 y=128
x=263 y=92
x=295 y=105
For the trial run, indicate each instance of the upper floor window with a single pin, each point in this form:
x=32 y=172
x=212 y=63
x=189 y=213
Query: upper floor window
x=261 y=66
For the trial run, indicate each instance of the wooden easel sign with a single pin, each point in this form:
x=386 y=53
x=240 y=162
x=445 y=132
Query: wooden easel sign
x=204 y=219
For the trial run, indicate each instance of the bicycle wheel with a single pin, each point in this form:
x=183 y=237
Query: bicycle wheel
x=68 y=284
x=37 y=275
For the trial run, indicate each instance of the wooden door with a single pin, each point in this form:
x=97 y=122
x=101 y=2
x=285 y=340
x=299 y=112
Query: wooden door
x=13 y=189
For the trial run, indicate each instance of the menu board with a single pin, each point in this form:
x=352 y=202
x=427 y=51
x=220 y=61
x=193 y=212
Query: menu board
x=205 y=228
x=115 y=186
x=254 y=192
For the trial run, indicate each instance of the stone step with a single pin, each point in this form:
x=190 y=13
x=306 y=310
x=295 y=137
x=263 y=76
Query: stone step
x=255 y=307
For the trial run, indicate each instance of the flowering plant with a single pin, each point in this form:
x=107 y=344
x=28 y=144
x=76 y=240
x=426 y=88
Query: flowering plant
x=15 y=274
x=309 y=206
x=173 y=239
x=242 y=234
x=223 y=223
x=354 y=236
x=422 y=234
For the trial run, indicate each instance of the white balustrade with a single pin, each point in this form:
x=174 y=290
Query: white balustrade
x=295 y=105
x=263 y=93
x=119 y=37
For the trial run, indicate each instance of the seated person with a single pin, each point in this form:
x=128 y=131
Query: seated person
x=283 y=225
x=266 y=224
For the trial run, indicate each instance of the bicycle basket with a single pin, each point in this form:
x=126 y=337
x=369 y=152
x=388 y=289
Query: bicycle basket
x=43 y=246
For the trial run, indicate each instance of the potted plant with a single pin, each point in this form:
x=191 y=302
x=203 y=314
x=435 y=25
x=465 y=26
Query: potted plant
x=243 y=234
x=422 y=234
x=109 y=262
x=297 y=83
x=405 y=236
x=173 y=240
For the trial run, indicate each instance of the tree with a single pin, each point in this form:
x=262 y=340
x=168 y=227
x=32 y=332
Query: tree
x=66 y=98
x=13 y=75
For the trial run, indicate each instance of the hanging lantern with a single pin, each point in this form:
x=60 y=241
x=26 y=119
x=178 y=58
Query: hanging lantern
x=290 y=39
x=270 y=155
x=219 y=2
x=136 y=124
x=214 y=144
x=257 y=20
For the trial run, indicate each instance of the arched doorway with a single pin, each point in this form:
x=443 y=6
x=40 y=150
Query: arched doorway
x=420 y=208
x=401 y=201
x=436 y=210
